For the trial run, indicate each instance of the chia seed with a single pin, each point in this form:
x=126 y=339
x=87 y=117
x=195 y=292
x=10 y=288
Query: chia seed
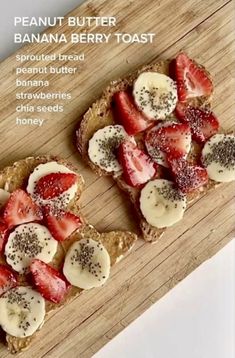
x=170 y=193
x=15 y=297
x=85 y=258
x=108 y=147
x=155 y=153
x=27 y=243
x=58 y=204
x=222 y=153
x=158 y=101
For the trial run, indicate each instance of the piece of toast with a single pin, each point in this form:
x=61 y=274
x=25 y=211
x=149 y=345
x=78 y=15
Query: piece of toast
x=117 y=243
x=100 y=115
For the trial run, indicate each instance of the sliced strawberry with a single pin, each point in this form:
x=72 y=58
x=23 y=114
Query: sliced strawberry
x=50 y=283
x=192 y=79
x=54 y=184
x=21 y=209
x=203 y=123
x=7 y=279
x=63 y=225
x=3 y=234
x=188 y=177
x=173 y=139
x=137 y=166
x=128 y=115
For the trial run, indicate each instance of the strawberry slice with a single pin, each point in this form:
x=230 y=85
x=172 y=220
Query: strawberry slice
x=54 y=184
x=128 y=115
x=3 y=235
x=202 y=122
x=62 y=225
x=173 y=139
x=50 y=283
x=192 y=79
x=7 y=279
x=137 y=166
x=187 y=176
x=21 y=209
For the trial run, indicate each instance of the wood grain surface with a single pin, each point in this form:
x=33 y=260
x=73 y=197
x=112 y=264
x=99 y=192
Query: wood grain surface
x=205 y=30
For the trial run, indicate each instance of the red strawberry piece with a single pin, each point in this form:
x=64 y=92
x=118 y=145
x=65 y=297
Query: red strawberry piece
x=3 y=235
x=7 y=279
x=173 y=139
x=172 y=67
x=50 y=283
x=192 y=79
x=187 y=176
x=21 y=209
x=128 y=115
x=202 y=122
x=54 y=184
x=137 y=166
x=62 y=225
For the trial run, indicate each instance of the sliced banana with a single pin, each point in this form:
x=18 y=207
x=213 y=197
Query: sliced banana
x=161 y=203
x=41 y=170
x=218 y=157
x=22 y=311
x=155 y=94
x=87 y=264
x=4 y=196
x=29 y=241
x=103 y=144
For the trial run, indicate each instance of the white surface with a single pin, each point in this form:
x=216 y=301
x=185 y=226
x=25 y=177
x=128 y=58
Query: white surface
x=11 y=8
x=196 y=319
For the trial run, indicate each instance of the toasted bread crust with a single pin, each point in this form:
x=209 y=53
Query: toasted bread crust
x=117 y=243
x=100 y=115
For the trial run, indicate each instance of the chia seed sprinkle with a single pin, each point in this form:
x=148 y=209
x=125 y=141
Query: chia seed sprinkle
x=27 y=243
x=188 y=176
x=222 y=153
x=170 y=193
x=157 y=99
x=15 y=297
x=155 y=153
x=196 y=118
x=108 y=147
x=85 y=258
x=57 y=204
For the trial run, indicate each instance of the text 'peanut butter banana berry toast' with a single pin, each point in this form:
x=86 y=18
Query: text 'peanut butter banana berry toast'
x=156 y=134
x=48 y=253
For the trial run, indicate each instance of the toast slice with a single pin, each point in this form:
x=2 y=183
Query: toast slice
x=117 y=243
x=100 y=115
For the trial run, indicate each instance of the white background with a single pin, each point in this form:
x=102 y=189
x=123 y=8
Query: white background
x=11 y=8
x=194 y=320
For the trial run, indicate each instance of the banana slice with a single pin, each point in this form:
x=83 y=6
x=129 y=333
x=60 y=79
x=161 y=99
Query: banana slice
x=22 y=311
x=87 y=264
x=155 y=94
x=103 y=144
x=4 y=196
x=218 y=157
x=27 y=242
x=161 y=203
x=41 y=170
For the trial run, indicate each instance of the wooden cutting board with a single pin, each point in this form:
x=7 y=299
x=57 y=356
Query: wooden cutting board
x=205 y=30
